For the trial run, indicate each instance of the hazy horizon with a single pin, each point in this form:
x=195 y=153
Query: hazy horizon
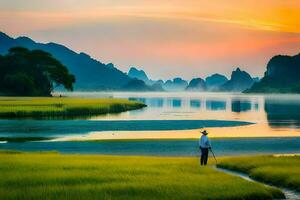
x=186 y=38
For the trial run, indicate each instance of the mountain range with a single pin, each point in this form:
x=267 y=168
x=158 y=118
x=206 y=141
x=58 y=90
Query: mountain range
x=239 y=81
x=92 y=74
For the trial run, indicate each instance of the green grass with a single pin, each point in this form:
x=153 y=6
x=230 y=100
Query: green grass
x=54 y=176
x=51 y=107
x=281 y=171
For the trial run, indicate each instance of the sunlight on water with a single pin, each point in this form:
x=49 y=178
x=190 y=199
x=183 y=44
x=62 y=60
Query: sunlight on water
x=273 y=115
x=170 y=116
x=278 y=111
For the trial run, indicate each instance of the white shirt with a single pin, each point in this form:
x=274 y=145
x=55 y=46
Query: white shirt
x=204 y=142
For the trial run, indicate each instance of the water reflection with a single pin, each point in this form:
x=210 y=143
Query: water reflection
x=195 y=103
x=238 y=105
x=256 y=106
x=278 y=111
x=215 y=105
x=157 y=102
x=176 y=103
x=283 y=112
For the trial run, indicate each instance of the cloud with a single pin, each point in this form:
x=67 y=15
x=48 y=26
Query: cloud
x=174 y=45
x=270 y=15
x=165 y=38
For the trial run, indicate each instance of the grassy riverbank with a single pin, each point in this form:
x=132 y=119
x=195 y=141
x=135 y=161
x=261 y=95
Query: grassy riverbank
x=22 y=107
x=281 y=171
x=55 y=176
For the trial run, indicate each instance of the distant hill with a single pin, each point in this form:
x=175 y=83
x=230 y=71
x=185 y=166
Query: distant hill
x=239 y=81
x=282 y=76
x=137 y=85
x=177 y=84
x=256 y=79
x=90 y=74
x=157 y=86
x=196 y=84
x=215 y=81
x=138 y=74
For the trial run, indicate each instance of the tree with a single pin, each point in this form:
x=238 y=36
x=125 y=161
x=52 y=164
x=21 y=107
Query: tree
x=19 y=83
x=32 y=73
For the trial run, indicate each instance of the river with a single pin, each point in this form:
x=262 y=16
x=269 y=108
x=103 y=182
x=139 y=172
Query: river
x=237 y=123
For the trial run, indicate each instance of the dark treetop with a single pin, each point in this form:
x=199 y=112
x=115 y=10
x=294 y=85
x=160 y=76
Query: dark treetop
x=90 y=73
x=32 y=73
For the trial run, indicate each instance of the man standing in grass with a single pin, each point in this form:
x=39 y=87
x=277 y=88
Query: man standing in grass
x=205 y=145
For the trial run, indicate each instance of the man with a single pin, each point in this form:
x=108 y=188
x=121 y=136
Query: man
x=205 y=145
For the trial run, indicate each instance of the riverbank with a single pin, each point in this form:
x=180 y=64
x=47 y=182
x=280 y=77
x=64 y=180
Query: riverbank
x=283 y=171
x=56 y=176
x=64 y=107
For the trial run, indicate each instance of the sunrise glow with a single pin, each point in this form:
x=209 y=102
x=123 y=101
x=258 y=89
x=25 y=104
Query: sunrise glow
x=197 y=35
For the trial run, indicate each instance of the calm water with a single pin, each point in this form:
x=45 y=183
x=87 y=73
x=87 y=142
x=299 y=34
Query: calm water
x=177 y=113
x=189 y=147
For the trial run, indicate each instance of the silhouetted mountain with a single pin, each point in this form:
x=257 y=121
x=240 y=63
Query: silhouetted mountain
x=178 y=84
x=138 y=74
x=256 y=79
x=5 y=42
x=196 y=84
x=240 y=81
x=139 y=86
x=215 y=81
x=160 y=82
x=90 y=73
x=282 y=76
x=157 y=86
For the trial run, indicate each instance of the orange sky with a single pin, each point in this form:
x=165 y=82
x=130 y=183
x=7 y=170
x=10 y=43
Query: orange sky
x=188 y=38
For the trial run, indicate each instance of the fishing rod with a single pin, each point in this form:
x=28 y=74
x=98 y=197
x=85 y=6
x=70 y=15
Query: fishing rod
x=214 y=155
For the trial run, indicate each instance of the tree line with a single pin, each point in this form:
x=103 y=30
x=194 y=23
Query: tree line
x=25 y=72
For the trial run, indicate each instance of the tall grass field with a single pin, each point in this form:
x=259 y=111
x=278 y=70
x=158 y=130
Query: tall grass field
x=277 y=170
x=47 y=176
x=22 y=107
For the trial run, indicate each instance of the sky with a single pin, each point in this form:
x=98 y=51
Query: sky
x=167 y=39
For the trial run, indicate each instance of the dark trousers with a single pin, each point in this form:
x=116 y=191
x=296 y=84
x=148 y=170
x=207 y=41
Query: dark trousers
x=204 y=156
